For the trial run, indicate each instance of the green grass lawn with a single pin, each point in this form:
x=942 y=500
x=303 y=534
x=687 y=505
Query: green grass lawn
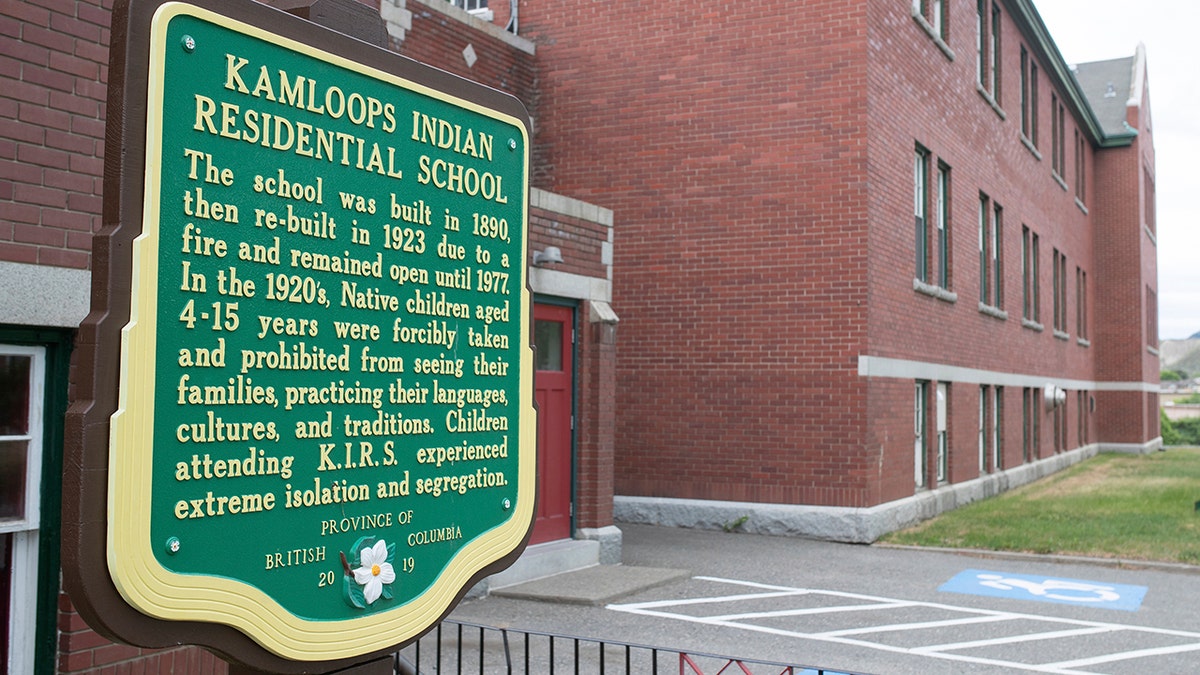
x=1139 y=507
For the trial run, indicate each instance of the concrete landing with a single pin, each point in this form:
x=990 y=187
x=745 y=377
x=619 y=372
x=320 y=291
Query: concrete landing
x=596 y=586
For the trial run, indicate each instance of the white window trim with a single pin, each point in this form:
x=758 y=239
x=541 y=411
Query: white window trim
x=22 y=612
x=33 y=475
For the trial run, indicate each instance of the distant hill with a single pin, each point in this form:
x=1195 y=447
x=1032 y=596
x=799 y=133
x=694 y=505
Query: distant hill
x=1195 y=336
x=1181 y=355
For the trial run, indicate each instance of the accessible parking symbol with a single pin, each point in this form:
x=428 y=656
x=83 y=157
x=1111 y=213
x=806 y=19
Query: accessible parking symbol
x=1046 y=589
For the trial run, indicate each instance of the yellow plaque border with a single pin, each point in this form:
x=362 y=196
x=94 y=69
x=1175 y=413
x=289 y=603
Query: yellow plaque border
x=159 y=592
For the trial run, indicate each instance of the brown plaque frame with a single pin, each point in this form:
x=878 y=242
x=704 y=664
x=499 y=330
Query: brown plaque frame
x=96 y=365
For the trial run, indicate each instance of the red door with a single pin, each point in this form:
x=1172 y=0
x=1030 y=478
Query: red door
x=552 y=329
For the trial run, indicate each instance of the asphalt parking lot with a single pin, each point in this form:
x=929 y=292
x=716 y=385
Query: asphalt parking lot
x=866 y=609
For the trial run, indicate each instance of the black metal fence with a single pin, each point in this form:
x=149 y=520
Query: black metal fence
x=466 y=649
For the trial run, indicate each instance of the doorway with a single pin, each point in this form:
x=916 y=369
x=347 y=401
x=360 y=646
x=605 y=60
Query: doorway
x=553 y=337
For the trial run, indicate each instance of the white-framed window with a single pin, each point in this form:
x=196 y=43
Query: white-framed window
x=943 y=449
x=997 y=425
x=920 y=208
x=920 y=466
x=991 y=261
x=942 y=222
x=22 y=382
x=983 y=437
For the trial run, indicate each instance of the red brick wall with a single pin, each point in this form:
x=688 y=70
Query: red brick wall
x=440 y=40
x=53 y=79
x=84 y=652
x=745 y=155
x=595 y=432
x=738 y=335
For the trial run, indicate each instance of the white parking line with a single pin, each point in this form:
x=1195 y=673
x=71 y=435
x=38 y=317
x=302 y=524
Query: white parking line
x=991 y=642
x=810 y=610
x=919 y=625
x=946 y=651
x=1125 y=656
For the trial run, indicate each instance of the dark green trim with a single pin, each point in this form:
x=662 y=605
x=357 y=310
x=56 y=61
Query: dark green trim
x=58 y=343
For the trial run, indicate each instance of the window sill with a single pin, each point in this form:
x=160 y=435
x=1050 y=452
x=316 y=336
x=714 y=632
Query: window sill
x=934 y=291
x=1061 y=335
x=1032 y=325
x=1149 y=233
x=1031 y=147
x=1058 y=179
x=1081 y=205
x=1083 y=342
x=1152 y=350
x=987 y=96
x=994 y=312
x=932 y=32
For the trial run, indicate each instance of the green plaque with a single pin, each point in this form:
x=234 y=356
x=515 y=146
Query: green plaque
x=325 y=426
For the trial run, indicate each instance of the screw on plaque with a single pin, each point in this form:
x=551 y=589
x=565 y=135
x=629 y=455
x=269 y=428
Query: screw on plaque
x=173 y=545
x=507 y=504
x=512 y=144
x=189 y=43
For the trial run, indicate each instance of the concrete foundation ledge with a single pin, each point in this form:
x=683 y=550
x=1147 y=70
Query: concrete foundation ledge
x=1134 y=448
x=834 y=523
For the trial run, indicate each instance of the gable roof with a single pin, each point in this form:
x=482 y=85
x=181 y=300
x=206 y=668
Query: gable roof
x=1108 y=88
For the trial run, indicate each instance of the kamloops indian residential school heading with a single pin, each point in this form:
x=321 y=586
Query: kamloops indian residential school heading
x=229 y=120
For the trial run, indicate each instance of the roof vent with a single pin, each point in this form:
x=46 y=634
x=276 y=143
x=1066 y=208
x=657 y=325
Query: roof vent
x=1110 y=91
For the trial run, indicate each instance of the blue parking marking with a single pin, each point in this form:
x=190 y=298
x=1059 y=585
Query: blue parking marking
x=1047 y=589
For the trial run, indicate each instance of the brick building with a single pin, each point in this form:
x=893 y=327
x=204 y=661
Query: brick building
x=794 y=349
x=876 y=260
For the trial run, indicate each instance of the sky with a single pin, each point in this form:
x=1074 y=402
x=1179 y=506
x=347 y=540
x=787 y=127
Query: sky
x=1098 y=30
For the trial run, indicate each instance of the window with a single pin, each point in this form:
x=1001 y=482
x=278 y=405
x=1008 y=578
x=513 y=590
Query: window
x=470 y=5
x=1081 y=414
x=1081 y=318
x=1080 y=167
x=983 y=435
x=994 y=54
x=987 y=44
x=920 y=466
x=942 y=220
x=1060 y=294
x=22 y=374
x=943 y=452
x=1025 y=100
x=1032 y=441
x=1030 y=307
x=997 y=426
x=1058 y=138
x=997 y=258
x=990 y=259
x=984 y=290
x=1148 y=196
x=935 y=15
x=991 y=422
x=1033 y=103
x=920 y=205
x=1029 y=98
x=1151 y=318
x=981 y=42
x=1060 y=420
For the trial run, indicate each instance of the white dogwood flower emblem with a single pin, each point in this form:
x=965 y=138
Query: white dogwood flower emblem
x=375 y=571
